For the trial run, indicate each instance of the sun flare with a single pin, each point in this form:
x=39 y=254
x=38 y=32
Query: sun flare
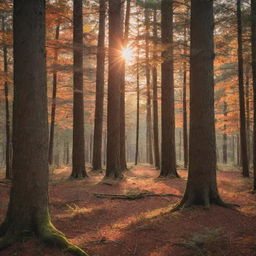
x=127 y=53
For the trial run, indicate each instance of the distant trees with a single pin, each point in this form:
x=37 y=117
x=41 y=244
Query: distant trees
x=78 y=153
x=28 y=206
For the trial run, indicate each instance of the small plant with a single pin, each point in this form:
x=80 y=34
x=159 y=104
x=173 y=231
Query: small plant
x=209 y=242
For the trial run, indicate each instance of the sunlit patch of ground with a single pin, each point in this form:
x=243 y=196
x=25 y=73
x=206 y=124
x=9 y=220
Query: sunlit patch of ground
x=144 y=227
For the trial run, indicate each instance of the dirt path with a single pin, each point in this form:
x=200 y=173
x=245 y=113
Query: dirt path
x=144 y=227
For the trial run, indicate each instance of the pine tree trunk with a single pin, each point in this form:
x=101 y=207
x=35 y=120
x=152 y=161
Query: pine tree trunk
x=243 y=138
x=155 y=95
x=98 y=121
x=201 y=186
x=123 y=163
x=253 y=44
x=78 y=153
x=185 y=122
x=113 y=169
x=247 y=104
x=28 y=206
x=8 y=158
x=138 y=97
x=54 y=94
x=225 y=146
x=149 y=147
x=168 y=155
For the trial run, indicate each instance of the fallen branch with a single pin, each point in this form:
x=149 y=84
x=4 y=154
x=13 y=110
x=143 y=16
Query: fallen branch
x=133 y=196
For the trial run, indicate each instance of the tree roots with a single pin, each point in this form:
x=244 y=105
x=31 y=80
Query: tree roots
x=46 y=233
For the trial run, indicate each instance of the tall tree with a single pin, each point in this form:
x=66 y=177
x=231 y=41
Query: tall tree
x=122 y=99
x=185 y=120
x=243 y=138
x=138 y=93
x=8 y=151
x=54 y=95
x=113 y=169
x=168 y=155
x=78 y=153
x=98 y=120
x=253 y=44
x=28 y=206
x=225 y=137
x=149 y=148
x=155 y=93
x=201 y=186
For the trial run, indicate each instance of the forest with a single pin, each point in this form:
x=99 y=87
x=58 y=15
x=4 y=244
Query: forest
x=128 y=127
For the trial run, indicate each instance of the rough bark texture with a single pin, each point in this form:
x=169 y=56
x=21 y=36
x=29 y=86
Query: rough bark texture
x=8 y=151
x=201 y=186
x=253 y=43
x=54 y=94
x=98 y=121
x=168 y=155
x=243 y=138
x=113 y=169
x=28 y=207
x=78 y=153
x=149 y=147
x=155 y=95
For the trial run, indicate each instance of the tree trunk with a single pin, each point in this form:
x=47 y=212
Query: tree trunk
x=123 y=163
x=247 y=104
x=185 y=122
x=201 y=186
x=113 y=169
x=28 y=206
x=155 y=94
x=253 y=43
x=243 y=138
x=54 y=94
x=168 y=156
x=78 y=153
x=8 y=158
x=138 y=95
x=98 y=121
x=149 y=147
x=225 y=146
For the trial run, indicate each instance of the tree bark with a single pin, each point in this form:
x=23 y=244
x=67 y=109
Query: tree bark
x=122 y=99
x=78 y=153
x=113 y=169
x=138 y=95
x=168 y=155
x=225 y=146
x=185 y=122
x=98 y=121
x=243 y=138
x=54 y=94
x=155 y=94
x=253 y=43
x=149 y=147
x=28 y=206
x=201 y=186
x=8 y=151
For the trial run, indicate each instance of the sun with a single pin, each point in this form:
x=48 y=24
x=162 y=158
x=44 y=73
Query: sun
x=127 y=53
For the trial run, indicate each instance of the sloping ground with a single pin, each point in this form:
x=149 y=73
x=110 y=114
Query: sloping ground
x=144 y=227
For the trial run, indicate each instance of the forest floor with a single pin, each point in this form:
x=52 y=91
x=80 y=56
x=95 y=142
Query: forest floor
x=144 y=227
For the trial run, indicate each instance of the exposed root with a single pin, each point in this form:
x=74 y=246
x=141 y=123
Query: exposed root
x=8 y=239
x=133 y=196
x=48 y=234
